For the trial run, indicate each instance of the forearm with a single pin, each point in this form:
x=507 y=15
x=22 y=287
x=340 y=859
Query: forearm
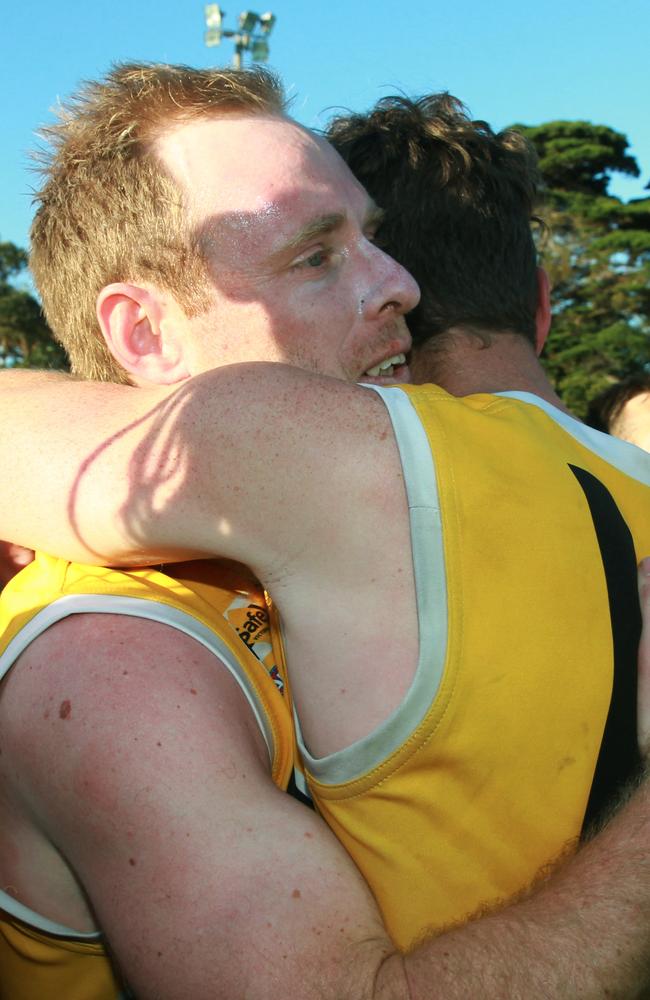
x=69 y=446
x=585 y=933
x=117 y=475
x=38 y=410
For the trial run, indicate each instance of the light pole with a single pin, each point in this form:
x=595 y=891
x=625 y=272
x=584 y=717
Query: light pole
x=250 y=36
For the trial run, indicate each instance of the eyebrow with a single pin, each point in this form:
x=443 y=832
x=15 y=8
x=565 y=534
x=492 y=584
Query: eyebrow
x=323 y=225
x=320 y=226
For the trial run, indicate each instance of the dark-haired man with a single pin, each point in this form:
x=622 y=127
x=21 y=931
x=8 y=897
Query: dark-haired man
x=324 y=487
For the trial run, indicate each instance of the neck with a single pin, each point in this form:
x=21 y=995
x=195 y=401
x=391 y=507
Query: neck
x=461 y=363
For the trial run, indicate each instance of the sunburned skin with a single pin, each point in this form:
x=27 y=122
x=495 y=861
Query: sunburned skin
x=227 y=239
x=288 y=236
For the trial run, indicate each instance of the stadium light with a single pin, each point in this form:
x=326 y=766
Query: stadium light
x=251 y=35
x=267 y=22
x=213 y=21
x=259 y=50
x=247 y=21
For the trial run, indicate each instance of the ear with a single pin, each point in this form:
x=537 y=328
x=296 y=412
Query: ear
x=543 y=311
x=140 y=334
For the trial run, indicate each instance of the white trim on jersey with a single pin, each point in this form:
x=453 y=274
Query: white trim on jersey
x=627 y=458
x=14 y=908
x=418 y=466
x=431 y=596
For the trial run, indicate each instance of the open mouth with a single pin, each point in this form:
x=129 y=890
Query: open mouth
x=386 y=369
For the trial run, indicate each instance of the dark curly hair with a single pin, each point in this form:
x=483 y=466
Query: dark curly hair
x=459 y=202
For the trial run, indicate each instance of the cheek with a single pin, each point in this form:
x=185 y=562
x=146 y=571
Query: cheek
x=333 y=304
x=220 y=340
x=320 y=329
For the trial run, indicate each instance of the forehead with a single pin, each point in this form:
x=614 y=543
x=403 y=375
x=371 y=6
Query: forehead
x=258 y=174
x=636 y=412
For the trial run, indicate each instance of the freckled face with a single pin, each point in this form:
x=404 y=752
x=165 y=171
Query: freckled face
x=288 y=234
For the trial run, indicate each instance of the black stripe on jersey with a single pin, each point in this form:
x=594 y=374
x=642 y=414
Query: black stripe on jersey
x=619 y=759
x=294 y=791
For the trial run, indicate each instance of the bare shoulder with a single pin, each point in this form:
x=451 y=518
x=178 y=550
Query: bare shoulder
x=277 y=451
x=108 y=725
x=94 y=685
x=140 y=760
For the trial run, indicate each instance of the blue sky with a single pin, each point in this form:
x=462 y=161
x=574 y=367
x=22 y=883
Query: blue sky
x=507 y=61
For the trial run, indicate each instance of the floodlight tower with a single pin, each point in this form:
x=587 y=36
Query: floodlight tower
x=250 y=36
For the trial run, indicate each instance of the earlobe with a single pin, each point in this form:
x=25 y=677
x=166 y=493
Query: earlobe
x=131 y=319
x=543 y=311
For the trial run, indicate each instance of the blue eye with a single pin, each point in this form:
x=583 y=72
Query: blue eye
x=325 y=259
x=315 y=259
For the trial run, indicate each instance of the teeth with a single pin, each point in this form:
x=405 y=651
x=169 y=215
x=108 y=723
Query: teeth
x=389 y=363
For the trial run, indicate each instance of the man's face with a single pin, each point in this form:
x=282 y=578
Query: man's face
x=633 y=422
x=287 y=232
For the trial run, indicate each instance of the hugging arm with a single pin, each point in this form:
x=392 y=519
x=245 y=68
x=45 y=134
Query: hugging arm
x=210 y=883
x=124 y=491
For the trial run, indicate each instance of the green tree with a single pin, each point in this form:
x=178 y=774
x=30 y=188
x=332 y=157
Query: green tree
x=25 y=338
x=597 y=253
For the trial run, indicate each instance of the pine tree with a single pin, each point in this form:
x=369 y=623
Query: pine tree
x=25 y=338
x=597 y=253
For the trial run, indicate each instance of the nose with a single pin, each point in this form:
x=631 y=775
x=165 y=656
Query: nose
x=391 y=289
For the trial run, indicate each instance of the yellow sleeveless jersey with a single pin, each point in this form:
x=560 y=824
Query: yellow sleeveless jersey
x=220 y=605
x=521 y=718
x=508 y=733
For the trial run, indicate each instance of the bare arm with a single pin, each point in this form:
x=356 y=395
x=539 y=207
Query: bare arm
x=585 y=933
x=103 y=473
x=154 y=783
x=564 y=940
x=210 y=883
x=64 y=431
